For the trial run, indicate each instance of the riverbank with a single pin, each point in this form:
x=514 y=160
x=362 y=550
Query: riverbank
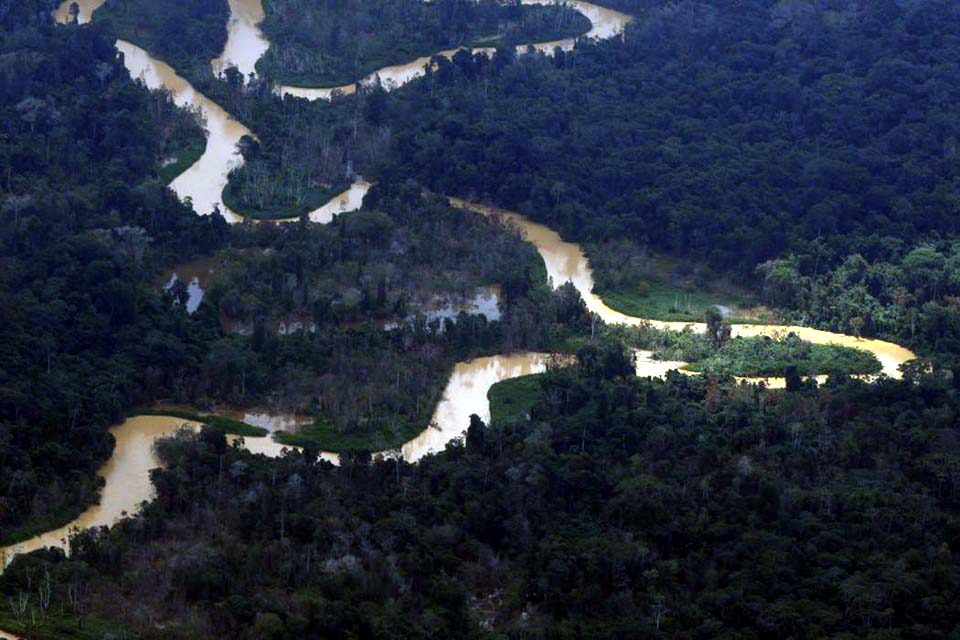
x=512 y=400
x=659 y=300
x=275 y=65
x=60 y=521
x=184 y=33
x=313 y=199
x=221 y=423
x=186 y=158
x=126 y=475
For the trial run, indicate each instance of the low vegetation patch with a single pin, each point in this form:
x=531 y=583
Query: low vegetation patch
x=661 y=301
x=276 y=203
x=329 y=439
x=54 y=625
x=763 y=356
x=227 y=425
x=512 y=400
x=184 y=159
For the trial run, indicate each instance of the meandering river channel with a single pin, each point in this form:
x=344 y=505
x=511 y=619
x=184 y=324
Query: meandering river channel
x=126 y=474
x=606 y=23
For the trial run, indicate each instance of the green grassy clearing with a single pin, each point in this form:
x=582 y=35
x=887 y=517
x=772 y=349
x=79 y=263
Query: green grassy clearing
x=329 y=439
x=662 y=301
x=512 y=400
x=57 y=625
x=186 y=157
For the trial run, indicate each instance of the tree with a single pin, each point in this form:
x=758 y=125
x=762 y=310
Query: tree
x=718 y=330
x=793 y=380
x=476 y=434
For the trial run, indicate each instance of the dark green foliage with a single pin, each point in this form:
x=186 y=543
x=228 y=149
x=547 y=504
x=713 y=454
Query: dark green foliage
x=336 y=43
x=384 y=262
x=709 y=510
x=733 y=134
x=512 y=400
x=244 y=197
x=910 y=295
x=186 y=34
x=815 y=139
x=371 y=389
x=766 y=357
x=760 y=356
x=84 y=228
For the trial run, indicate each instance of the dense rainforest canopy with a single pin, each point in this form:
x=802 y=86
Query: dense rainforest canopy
x=89 y=227
x=622 y=508
x=336 y=43
x=806 y=146
x=85 y=225
x=186 y=34
x=804 y=151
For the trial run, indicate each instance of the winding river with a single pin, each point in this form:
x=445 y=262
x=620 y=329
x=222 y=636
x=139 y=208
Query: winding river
x=127 y=472
x=606 y=23
x=204 y=181
x=566 y=262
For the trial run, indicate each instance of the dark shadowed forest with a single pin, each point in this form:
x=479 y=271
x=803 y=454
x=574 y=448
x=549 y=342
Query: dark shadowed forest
x=622 y=508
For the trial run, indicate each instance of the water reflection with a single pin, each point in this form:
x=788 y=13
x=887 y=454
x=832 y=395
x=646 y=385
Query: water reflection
x=483 y=301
